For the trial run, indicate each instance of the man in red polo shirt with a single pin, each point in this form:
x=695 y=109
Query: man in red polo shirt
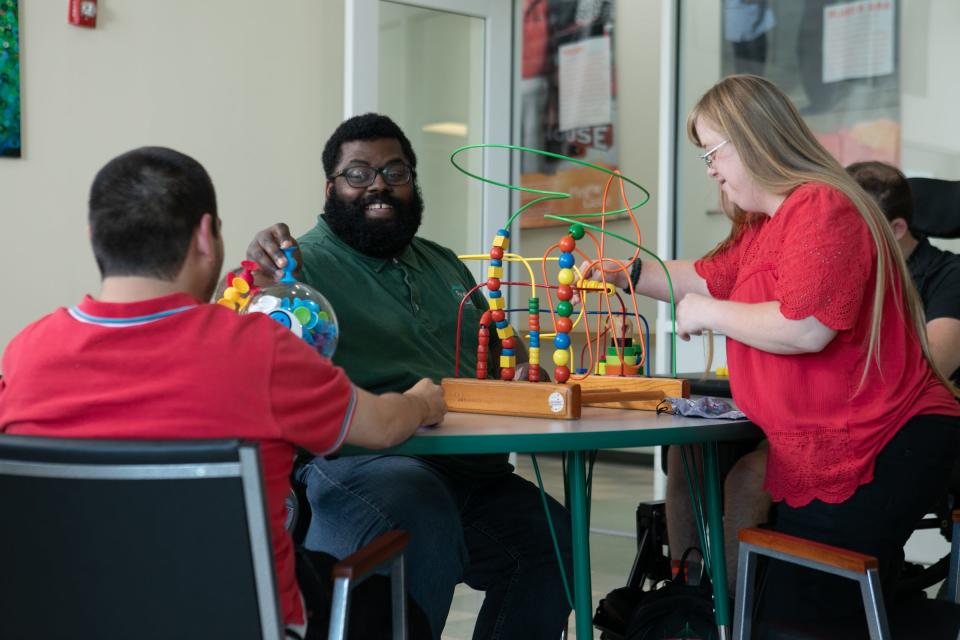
x=147 y=359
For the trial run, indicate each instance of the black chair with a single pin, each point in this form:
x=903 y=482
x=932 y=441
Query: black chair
x=134 y=539
x=936 y=207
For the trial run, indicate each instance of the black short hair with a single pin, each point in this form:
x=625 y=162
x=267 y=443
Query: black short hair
x=144 y=208
x=887 y=186
x=369 y=126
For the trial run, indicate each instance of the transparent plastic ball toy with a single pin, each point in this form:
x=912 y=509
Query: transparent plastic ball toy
x=303 y=310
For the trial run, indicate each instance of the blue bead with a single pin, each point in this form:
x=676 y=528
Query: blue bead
x=566 y=260
x=507 y=352
x=494 y=294
x=502 y=324
x=496 y=263
x=503 y=232
x=561 y=341
x=581 y=371
x=534 y=334
x=535 y=342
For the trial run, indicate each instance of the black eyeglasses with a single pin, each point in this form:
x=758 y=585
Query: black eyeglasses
x=394 y=174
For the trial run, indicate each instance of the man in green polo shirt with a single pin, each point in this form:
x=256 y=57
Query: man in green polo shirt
x=396 y=298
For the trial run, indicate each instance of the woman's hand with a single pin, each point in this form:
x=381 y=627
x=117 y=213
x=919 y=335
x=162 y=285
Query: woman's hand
x=694 y=315
x=614 y=275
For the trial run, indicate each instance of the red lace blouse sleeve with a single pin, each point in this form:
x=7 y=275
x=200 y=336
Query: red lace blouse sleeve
x=720 y=269
x=827 y=260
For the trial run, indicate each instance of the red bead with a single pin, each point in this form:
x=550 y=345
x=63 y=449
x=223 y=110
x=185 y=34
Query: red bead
x=561 y=374
x=534 y=325
x=509 y=343
x=498 y=315
x=533 y=373
x=483 y=340
x=507 y=373
x=493 y=284
x=496 y=253
x=567 y=244
x=563 y=324
x=564 y=292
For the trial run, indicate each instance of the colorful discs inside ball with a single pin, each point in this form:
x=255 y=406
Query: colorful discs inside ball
x=303 y=310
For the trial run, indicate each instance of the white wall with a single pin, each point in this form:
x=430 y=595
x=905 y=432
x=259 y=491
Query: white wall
x=250 y=89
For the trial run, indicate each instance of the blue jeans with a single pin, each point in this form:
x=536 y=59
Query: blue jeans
x=491 y=534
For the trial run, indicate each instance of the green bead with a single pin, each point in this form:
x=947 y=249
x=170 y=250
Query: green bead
x=576 y=230
x=564 y=308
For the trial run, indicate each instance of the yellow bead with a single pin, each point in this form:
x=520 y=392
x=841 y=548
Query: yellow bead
x=534 y=355
x=508 y=361
x=231 y=294
x=565 y=276
x=506 y=332
x=495 y=272
x=241 y=285
x=229 y=304
x=602 y=369
x=496 y=303
x=561 y=357
x=502 y=241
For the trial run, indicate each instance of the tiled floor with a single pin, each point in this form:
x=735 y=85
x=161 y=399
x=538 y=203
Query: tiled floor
x=617 y=488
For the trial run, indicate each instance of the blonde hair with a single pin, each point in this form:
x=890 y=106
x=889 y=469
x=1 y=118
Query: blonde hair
x=780 y=153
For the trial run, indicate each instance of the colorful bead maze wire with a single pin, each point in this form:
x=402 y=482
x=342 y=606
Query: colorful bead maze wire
x=622 y=357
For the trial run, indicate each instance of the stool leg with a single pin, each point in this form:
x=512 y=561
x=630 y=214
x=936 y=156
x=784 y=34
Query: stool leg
x=398 y=593
x=743 y=606
x=873 y=604
x=953 y=577
x=339 y=609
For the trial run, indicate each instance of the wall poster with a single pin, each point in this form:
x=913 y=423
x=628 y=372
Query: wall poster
x=568 y=103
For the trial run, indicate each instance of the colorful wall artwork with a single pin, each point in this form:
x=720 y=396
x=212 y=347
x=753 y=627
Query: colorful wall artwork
x=9 y=80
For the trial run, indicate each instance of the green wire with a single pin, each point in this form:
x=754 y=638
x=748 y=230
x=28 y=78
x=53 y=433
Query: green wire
x=547 y=195
x=696 y=506
x=553 y=533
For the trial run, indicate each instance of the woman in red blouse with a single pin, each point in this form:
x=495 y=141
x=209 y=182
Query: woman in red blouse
x=825 y=341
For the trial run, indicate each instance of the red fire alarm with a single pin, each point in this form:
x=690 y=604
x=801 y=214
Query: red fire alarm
x=83 y=13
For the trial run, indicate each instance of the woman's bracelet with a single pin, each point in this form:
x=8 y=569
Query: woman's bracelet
x=635 y=273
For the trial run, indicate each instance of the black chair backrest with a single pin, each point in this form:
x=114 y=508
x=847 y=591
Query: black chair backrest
x=134 y=539
x=936 y=207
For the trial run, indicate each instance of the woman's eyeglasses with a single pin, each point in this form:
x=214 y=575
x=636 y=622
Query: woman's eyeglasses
x=708 y=156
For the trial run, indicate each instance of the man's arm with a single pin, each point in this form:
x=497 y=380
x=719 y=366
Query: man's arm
x=385 y=420
x=943 y=336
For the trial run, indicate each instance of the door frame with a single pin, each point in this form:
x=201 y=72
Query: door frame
x=361 y=71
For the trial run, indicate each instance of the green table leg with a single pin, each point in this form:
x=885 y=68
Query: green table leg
x=582 y=596
x=715 y=526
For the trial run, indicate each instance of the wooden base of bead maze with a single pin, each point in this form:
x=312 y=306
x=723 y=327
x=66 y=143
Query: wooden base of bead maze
x=638 y=392
x=509 y=398
x=559 y=401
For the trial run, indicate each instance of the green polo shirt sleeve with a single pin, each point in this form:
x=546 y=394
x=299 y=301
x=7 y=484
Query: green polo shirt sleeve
x=398 y=319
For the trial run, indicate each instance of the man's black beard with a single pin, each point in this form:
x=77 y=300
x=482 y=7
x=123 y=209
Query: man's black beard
x=376 y=238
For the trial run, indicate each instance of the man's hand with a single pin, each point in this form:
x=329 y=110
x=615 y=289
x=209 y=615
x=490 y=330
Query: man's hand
x=430 y=397
x=693 y=315
x=266 y=250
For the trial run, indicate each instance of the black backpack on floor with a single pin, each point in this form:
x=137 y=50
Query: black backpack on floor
x=675 y=611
